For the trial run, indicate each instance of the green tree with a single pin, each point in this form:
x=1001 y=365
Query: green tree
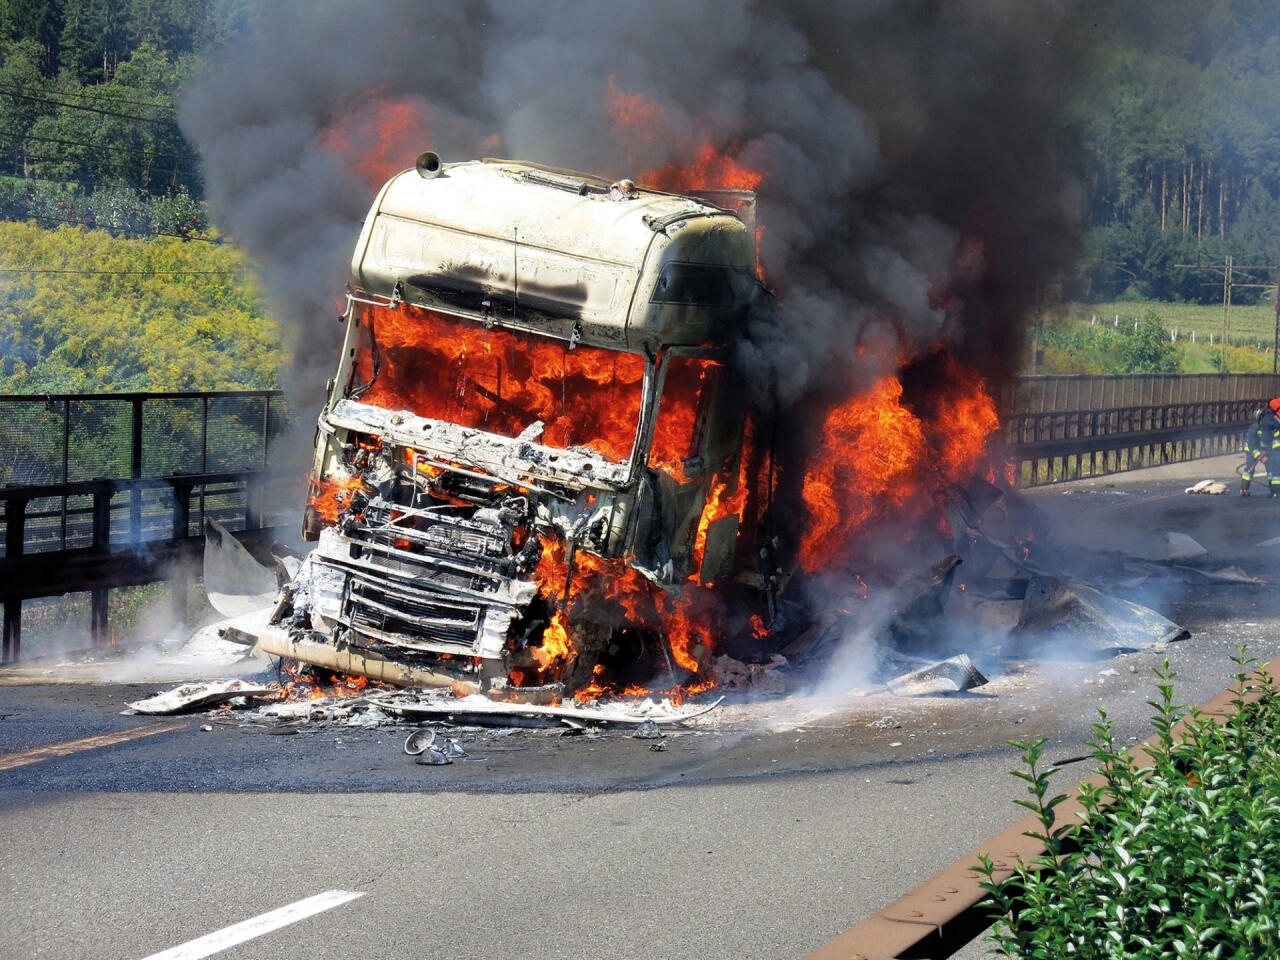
x=39 y=21
x=93 y=39
x=1149 y=349
x=20 y=79
x=125 y=131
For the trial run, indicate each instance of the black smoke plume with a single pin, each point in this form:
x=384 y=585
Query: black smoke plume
x=918 y=192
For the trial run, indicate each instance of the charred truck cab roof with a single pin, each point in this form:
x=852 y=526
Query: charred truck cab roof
x=532 y=365
x=558 y=254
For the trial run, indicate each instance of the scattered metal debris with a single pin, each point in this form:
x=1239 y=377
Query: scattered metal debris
x=953 y=675
x=434 y=757
x=418 y=741
x=885 y=723
x=1061 y=619
x=648 y=730
x=1183 y=547
x=195 y=696
x=476 y=708
x=452 y=750
x=733 y=674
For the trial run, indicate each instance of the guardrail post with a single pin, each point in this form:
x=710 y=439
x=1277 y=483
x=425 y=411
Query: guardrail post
x=15 y=511
x=252 y=503
x=180 y=584
x=98 y=626
x=135 y=473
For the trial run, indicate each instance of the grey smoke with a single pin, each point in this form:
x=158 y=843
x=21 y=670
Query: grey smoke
x=918 y=189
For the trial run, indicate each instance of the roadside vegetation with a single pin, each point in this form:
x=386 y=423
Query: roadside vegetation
x=1177 y=858
x=82 y=311
x=1143 y=336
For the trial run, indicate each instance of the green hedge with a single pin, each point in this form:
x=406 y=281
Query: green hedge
x=1178 y=858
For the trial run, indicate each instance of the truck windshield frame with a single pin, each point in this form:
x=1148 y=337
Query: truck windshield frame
x=499 y=380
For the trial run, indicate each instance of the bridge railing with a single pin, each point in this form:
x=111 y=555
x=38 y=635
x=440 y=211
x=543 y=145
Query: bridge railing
x=1065 y=428
x=54 y=444
x=109 y=490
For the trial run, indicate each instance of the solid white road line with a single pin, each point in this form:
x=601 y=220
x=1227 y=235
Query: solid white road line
x=231 y=936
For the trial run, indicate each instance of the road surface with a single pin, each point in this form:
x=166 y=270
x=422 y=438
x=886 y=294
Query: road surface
x=763 y=831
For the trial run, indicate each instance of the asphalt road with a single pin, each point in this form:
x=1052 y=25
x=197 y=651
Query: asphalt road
x=763 y=831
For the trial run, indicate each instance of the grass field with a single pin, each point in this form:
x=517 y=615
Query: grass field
x=1245 y=325
x=1196 y=332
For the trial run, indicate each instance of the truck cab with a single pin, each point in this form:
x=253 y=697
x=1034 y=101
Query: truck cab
x=532 y=405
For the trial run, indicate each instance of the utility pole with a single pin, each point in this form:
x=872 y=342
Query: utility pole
x=1275 y=347
x=1228 y=268
x=1226 y=307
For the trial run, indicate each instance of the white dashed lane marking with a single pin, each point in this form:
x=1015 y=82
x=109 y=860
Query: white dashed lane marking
x=255 y=927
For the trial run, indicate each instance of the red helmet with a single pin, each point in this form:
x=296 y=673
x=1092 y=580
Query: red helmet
x=1274 y=405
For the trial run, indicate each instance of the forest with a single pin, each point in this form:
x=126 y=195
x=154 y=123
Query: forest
x=1179 y=127
x=1176 y=120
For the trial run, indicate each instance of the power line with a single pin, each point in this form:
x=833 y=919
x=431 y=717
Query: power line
x=94 y=225
x=86 y=93
x=120 y=164
x=78 y=106
x=98 y=146
x=125 y=273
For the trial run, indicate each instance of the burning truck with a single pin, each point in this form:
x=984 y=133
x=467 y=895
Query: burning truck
x=533 y=466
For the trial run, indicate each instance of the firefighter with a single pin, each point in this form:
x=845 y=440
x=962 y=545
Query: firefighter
x=1262 y=441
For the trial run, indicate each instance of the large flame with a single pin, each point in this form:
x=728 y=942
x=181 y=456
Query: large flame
x=711 y=167
x=877 y=454
x=870 y=446
x=501 y=381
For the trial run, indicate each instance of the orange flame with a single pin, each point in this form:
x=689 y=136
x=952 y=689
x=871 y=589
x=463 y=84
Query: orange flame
x=710 y=168
x=502 y=380
x=637 y=118
x=375 y=137
x=877 y=453
x=328 y=498
x=631 y=112
x=304 y=685
x=967 y=419
x=870 y=445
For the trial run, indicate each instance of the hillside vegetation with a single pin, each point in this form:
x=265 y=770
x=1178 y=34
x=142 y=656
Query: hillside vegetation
x=83 y=311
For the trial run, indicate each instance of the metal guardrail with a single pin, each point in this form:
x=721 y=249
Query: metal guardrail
x=109 y=490
x=1071 y=444
x=56 y=443
x=65 y=438
x=1048 y=394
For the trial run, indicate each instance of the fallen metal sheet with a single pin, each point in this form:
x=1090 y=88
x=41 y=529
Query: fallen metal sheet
x=1183 y=547
x=235 y=582
x=194 y=696
x=1224 y=575
x=953 y=675
x=1071 y=620
x=481 y=707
